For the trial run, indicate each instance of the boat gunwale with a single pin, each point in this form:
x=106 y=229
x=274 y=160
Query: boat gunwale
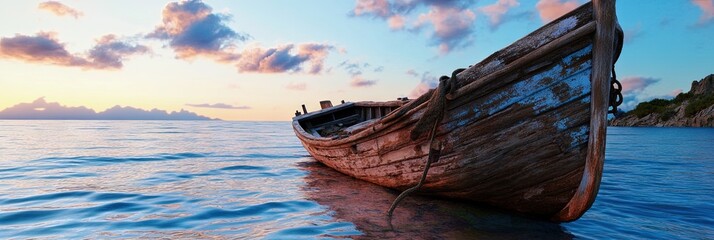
x=570 y=36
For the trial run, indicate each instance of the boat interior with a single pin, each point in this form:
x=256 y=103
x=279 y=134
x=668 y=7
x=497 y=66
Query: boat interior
x=344 y=119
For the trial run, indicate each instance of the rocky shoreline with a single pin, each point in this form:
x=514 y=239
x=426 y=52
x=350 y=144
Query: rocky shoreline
x=692 y=109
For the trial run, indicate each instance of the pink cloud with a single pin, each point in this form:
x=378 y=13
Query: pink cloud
x=675 y=92
x=194 y=30
x=315 y=54
x=496 y=11
x=396 y=22
x=550 y=10
x=46 y=48
x=636 y=85
x=41 y=48
x=427 y=82
x=452 y=26
x=451 y=21
x=419 y=90
x=358 y=81
x=707 y=7
x=59 y=9
x=380 y=8
x=110 y=52
x=286 y=58
x=296 y=86
x=633 y=91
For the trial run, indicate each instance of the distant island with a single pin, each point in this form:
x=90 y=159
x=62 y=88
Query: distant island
x=43 y=110
x=692 y=109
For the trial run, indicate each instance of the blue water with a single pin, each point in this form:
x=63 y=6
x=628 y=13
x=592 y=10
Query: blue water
x=214 y=179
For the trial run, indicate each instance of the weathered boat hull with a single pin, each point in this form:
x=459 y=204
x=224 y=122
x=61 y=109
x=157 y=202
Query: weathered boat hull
x=524 y=131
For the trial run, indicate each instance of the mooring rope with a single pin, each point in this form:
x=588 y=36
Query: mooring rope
x=615 y=92
x=433 y=156
x=431 y=117
x=615 y=86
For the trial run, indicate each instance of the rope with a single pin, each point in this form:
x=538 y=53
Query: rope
x=615 y=92
x=433 y=156
x=432 y=117
x=437 y=104
x=616 y=97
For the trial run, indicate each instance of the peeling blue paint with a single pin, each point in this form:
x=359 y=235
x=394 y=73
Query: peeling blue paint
x=579 y=136
x=536 y=90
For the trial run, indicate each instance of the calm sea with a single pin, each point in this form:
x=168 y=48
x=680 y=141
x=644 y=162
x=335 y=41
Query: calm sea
x=214 y=179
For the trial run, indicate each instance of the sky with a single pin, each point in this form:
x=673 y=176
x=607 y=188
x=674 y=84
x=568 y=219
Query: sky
x=260 y=60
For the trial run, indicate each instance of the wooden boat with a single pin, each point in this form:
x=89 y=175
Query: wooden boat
x=522 y=130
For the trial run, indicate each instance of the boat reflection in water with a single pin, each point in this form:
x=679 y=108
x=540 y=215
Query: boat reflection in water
x=366 y=204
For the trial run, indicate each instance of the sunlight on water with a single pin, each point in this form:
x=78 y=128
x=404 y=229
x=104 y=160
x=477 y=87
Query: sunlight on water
x=214 y=179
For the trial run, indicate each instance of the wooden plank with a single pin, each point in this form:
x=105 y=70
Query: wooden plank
x=554 y=30
x=321 y=112
x=603 y=53
x=380 y=104
x=520 y=62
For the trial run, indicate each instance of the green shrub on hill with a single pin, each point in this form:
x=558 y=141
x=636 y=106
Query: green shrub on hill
x=681 y=97
x=699 y=103
x=667 y=114
x=666 y=108
x=655 y=106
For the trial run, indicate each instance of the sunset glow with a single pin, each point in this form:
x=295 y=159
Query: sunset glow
x=260 y=60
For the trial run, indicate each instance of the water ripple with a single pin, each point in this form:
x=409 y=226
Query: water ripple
x=216 y=179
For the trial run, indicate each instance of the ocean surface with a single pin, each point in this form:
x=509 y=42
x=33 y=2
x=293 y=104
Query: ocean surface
x=216 y=179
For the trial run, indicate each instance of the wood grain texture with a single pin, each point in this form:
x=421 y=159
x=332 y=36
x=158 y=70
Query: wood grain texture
x=521 y=140
x=603 y=60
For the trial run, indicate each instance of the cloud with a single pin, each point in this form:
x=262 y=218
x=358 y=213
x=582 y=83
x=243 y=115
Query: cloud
x=110 y=52
x=449 y=22
x=358 y=81
x=42 y=48
x=379 y=8
x=286 y=58
x=193 y=29
x=707 y=7
x=396 y=22
x=497 y=10
x=41 y=109
x=426 y=82
x=45 y=48
x=59 y=9
x=637 y=84
x=452 y=27
x=412 y=72
x=356 y=68
x=296 y=86
x=353 y=68
x=633 y=91
x=217 y=105
x=550 y=10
